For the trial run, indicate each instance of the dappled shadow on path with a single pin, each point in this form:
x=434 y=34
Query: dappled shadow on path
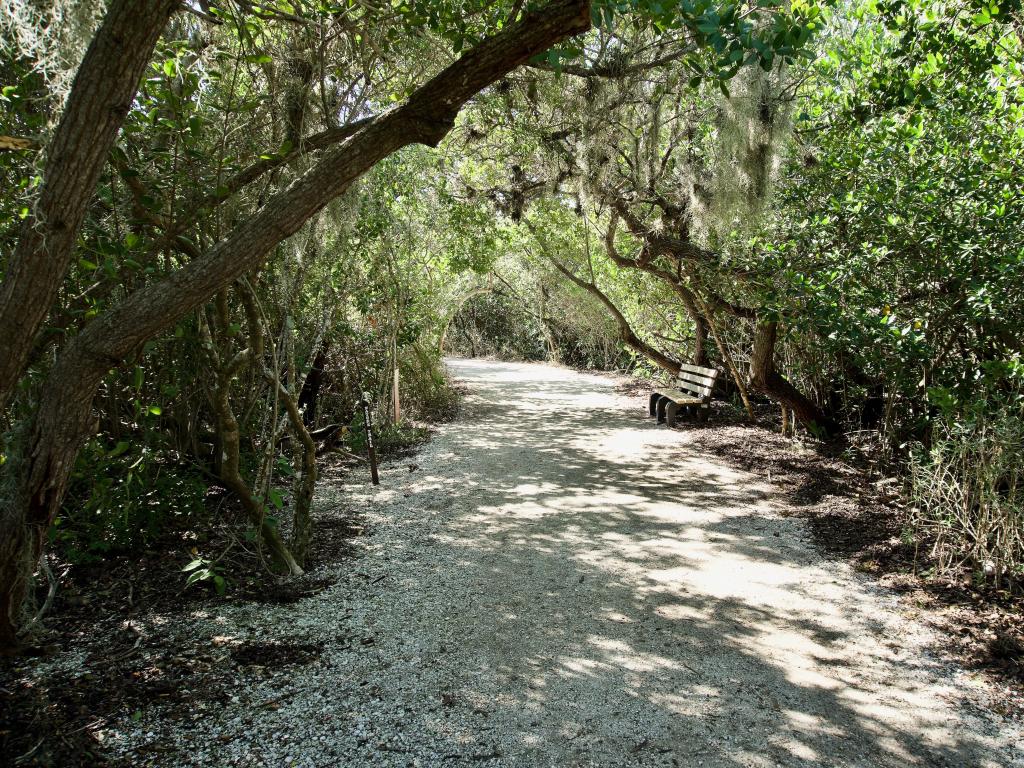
x=628 y=602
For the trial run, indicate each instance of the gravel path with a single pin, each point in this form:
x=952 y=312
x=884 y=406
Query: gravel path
x=558 y=582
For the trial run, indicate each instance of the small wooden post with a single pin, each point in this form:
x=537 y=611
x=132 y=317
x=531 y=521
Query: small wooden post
x=370 y=449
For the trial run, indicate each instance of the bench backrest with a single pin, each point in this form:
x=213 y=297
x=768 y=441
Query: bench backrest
x=700 y=381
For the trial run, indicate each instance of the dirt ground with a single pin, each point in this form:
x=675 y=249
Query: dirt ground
x=553 y=580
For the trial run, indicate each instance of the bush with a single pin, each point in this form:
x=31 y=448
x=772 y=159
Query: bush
x=121 y=497
x=494 y=325
x=427 y=391
x=968 y=494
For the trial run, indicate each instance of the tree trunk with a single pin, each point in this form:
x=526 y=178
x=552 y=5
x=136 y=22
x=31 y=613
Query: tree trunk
x=100 y=97
x=765 y=379
x=230 y=474
x=229 y=432
x=700 y=340
x=304 y=461
x=686 y=296
x=730 y=364
x=734 y=372
x=64 y=417
x=309 y=395
x=545 y=327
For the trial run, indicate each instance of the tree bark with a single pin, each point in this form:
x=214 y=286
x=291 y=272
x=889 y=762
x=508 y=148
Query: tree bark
x=304 y=485
x=765 y=379
x=64 y=418
x=700 y=340
x=100 y=98
x=681 y=250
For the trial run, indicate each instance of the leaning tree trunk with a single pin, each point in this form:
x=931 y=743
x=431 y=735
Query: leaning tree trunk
x=701 y=319
x=626 y=333
x=100 y=98
x=727 y=358
x=766 y=380
x=688 y=298
x=64 y=417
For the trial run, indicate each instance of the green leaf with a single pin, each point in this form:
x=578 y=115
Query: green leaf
x=118 y=449
x=170 y=67
x=276 y=498
x=193 y=565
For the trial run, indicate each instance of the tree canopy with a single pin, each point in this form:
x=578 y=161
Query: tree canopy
x=226 y=223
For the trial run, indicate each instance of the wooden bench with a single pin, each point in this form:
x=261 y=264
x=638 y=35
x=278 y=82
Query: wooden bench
x=692 y=390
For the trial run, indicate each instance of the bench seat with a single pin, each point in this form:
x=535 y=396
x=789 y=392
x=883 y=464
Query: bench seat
x=680 y=398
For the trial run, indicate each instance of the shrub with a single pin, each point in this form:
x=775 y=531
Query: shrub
x=121 y=497
x=969 y=494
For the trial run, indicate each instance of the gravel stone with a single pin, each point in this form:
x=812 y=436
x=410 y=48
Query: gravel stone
x=560 y=582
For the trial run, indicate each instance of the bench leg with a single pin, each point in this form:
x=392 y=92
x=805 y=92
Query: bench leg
x=660 y=408
x=671 y=411
x=654 y=403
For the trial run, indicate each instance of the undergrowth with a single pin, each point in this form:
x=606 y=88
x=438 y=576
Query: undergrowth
x=968 y=496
